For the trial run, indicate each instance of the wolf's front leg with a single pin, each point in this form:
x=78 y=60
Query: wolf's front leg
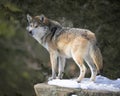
x=61 y=67
x=53 y=59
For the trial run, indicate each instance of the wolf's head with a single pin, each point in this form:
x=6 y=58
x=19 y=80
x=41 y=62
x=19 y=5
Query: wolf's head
x=38 y=26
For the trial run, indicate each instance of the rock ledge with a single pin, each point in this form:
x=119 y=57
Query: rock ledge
x=44 y=89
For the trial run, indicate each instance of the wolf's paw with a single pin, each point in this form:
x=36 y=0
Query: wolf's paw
x=58 y=77
x=51 y=78
x=78 y=80
x=92 y=80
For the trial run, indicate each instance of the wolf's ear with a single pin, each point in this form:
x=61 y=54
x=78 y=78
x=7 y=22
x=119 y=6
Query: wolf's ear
x=29 y=18
x=43 y=19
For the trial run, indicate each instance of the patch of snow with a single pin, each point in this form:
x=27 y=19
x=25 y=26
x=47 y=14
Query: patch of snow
x=74 y=95
x=101 y=83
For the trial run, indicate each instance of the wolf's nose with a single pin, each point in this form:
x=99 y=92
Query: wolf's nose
x=30 y=32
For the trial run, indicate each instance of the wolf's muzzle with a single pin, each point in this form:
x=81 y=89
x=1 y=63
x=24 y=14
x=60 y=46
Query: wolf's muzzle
x=30 y=32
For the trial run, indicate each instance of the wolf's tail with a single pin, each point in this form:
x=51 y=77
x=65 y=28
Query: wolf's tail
x=96 y=57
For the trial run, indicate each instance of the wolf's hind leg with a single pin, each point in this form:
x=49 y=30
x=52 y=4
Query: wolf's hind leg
x=92 y=68
x=82 y=72
x=61 y=67
x=79 y=61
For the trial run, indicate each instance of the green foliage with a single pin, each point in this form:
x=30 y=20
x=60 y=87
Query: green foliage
x=4 y=32
x=12 y=7
x=8 y=24
x=23 y=62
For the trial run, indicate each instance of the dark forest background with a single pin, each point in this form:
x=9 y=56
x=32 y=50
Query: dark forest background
x=24 y=62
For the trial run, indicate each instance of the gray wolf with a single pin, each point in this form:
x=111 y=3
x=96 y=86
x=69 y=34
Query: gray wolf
x=64 y=42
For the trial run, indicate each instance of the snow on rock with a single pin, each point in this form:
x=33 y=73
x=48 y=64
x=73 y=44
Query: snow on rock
x=101 y=83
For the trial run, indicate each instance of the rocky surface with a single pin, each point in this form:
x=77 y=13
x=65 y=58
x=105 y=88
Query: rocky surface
x=44 y=89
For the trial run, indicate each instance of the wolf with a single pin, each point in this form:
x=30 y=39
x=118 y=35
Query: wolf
x=64 y=42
